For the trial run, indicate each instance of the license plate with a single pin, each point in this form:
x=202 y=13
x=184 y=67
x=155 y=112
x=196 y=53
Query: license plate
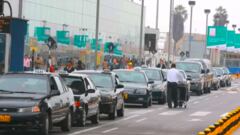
x=5 y=118
x=125 y=96
x=140 y=99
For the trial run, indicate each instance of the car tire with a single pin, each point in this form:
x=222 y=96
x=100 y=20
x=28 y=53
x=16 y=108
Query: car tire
x=83 y=118
x=44 y=129
x=162 y=100
x=66 y=124
x=112 y=115
x=95 y=119
x=145 y=105
x=120 y=113
x=150 y=102
x=200 y=92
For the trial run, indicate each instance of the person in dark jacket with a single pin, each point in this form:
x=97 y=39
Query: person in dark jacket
x=161 y=65
x=80 y=65
x=69 y=67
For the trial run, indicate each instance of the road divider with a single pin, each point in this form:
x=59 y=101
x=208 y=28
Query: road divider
x=224 y=126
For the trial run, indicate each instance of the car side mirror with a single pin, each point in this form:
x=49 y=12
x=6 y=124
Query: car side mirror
x=54 y=93
x=91 y=91
x=189 y=78
x=164 y=79
x=120 y=86
x=203 y=71
x=207 y=71
x=150 y=82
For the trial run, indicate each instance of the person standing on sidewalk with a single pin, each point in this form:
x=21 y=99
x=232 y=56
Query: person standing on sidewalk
x=173 y=77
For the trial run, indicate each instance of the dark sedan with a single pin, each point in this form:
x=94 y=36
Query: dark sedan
x=137 y=86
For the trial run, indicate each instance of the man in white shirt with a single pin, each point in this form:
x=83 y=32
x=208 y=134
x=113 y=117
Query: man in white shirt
x=173 y=78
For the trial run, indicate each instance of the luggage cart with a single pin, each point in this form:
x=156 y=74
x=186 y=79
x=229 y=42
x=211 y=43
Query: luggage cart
x=183 y=95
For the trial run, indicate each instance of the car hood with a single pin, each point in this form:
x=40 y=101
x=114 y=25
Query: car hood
x=194 y=75
x=134 y=86
x=19 y=100
x=106 y=91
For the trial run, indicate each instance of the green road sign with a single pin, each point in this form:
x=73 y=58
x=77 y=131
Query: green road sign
x=231 y=39
x=118 y=49
x=42 y=33
x=93 y=44
x=216 y=36
x=63 y=37
x=237 y=41
x=80 y=41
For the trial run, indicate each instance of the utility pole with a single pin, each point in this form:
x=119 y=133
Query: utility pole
x=96 y=33
x=157 y=14
x=170 y=28
x=20 y=9
x=141 y=32
x=191 y=4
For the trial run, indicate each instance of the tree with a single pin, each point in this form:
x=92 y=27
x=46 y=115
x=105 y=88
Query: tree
x=220 y=17
x=180 y=16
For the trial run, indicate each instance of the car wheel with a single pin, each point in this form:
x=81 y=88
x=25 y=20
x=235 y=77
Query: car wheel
x=200 y=92
x=67 y=122
x=44 y=129
x=83 y=118
x=150 y=102
x=162 y=100
x=120 y=113
x=112 y=115
x=95 y=119
x=145 y=105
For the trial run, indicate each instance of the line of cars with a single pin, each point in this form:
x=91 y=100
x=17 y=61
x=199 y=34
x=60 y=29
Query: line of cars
x=203 y=77
x=39 y=100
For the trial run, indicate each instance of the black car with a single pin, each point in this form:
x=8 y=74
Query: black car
x=36 y=101
x=87 y=98
x=158 y=87
x=137 y=86
x=111 y=92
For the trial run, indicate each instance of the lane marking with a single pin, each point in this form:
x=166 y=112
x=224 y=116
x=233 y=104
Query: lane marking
x=195 y=120
x=85 y=130
x=143 y=119
x=200 y=114
x=169 y=113
x=130 y=117
x=109 y=130
x=196 y=102
x=216 y=96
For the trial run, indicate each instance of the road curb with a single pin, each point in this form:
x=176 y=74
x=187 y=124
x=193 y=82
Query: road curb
x=224 y=126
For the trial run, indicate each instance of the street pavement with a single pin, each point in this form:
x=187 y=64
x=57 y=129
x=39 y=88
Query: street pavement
x=201 y=112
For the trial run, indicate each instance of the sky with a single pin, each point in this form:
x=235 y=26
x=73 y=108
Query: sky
x=199 y=18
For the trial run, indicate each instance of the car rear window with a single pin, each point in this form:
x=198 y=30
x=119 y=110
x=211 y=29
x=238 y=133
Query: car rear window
x=75 y=83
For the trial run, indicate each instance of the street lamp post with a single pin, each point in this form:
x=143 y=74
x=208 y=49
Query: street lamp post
x=141 y=32
x=191 y=4
x=207 y=12
x=96 y=33
x=170 y=29
x=20 y=9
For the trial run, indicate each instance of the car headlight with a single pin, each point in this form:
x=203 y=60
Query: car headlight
x=141 y=91
x=34 y=109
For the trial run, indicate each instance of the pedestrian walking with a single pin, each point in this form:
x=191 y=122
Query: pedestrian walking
x=173 y=78
x=26 y=63
x=80 y=65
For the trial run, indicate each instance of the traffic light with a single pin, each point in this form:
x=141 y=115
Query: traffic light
x=51 y=43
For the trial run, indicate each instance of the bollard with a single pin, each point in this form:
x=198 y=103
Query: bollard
x=201 y=133
x=212 y=128
x=217 y=125
x=207 y=131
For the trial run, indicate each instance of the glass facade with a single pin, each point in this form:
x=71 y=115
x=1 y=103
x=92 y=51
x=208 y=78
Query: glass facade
x=119 y=19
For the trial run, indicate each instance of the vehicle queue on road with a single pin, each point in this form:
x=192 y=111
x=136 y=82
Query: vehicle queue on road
x=41 y=100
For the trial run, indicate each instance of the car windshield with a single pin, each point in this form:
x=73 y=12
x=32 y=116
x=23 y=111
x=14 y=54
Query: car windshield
x=75 y=83
x=131 y=76
x=154 y=75
x=189 y=67
x=24 y=84
x=101 y=80
x=219 y=71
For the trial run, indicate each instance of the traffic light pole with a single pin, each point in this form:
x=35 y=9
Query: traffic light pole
x=96 y=33
x=20 y=8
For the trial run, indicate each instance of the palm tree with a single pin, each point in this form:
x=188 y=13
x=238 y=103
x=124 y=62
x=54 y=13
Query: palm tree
x=220 y=17
x=180 y=16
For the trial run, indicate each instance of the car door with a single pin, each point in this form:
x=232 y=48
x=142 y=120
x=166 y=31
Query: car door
x=54 y=102
x=92 y=105
x=119 y=93
x=64 y=98
x=94 y=97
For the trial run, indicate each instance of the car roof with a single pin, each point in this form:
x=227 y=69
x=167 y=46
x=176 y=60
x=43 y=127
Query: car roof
x=196 y=62
x=94 y=72
x=74 y=75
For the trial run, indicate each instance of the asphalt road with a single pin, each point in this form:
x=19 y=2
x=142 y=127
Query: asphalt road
x=159 y=120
